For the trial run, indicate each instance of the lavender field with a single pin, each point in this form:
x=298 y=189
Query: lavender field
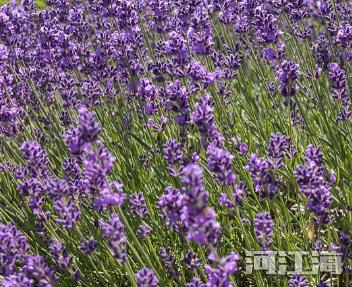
x=170 y=143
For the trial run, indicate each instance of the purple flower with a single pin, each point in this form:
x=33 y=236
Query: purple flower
x=172 y=152
x=344 y=36
x=73 y=142
x=76 y=275
x=109 y=196
x=36 y=268
x=313 y=182
x=242 y=24
x=170 y=207
x=36 y=158
x=195 y=282
x=79 y=139
x=146 y=278
x=200 y=33
x=178 y=102
x=337 y=76
x=196 y=71
x=169 y=261
x=114 y=231
x=177 y=45
x=237 y=197
x=69 y=212
x=226 y=266
x=313 y=155
x=203 y=118
x=88 y=246
x=97 y=166
x=267 y=29
x=198 y=217
x=242 y=148
x=297 y=280
x=149 y=93
x=191 y=260
x=280 y=146
x=138 y=205
x=225 y=201
x=263 y=227
x=220 y=163
x=318 y=246
x=17 y=280
x=56 y=188
x=13 y=247
x=60 y=254
x=324 y=7
x=144 y=230
x=287 y=76
x=263 y=181
x=88 y=126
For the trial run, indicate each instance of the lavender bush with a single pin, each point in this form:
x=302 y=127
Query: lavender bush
x=153 y=142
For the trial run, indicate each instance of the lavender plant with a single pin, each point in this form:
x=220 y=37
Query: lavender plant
x=152 y=143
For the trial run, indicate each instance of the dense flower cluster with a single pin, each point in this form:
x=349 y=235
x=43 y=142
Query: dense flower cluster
x=139 y=139
x=18 y=267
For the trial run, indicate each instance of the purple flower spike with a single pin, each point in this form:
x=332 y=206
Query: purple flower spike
x=13 y=247
x=88 y=127
x=36 y=158
x=36 y=268
x=144 y=230
x=114 y=231
x=262 y=179
x=69 y=212
x=196 y=282
x=60 y=254
x=203 y=118
x=17 y=280
x=138 y=205
x=280 y=146
x=297 y=280
x=263 y=226
x=191 y=260
x=197 y=216
x=172 y=152
x=226 y=266
x=170 y=206
x=314 y=183
x=56 y=188
x=146 y=278
x=220 y=163
x=287 y=76
x=88 y=246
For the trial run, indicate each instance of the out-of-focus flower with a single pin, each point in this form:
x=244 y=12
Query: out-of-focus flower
x=219 y=275
x=146 y=278
x=60 y=254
